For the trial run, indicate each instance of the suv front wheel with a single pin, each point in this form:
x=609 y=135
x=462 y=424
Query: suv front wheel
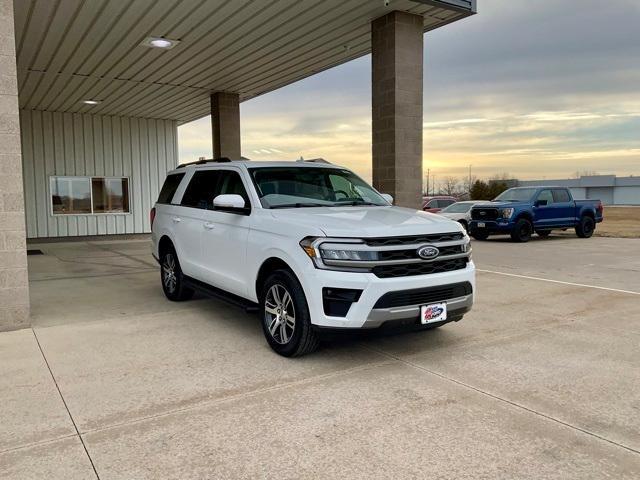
x=285 y=316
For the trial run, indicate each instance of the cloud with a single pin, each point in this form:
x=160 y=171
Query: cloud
x=538 y=89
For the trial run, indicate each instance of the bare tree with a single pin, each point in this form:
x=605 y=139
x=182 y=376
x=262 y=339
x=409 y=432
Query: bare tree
x=450 y=185
x=467 y=183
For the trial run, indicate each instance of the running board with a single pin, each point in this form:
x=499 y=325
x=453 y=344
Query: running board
x=208 y=290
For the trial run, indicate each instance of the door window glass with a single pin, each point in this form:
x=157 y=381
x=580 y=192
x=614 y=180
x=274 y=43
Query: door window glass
x=561 y=196
x=546 y=195
x=201 y=190
x=231 y=183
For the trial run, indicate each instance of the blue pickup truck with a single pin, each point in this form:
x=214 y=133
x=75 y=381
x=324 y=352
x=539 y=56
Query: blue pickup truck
x=521 y=211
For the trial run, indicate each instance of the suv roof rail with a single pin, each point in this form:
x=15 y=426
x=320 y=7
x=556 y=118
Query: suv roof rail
x=313 y=160
x=205 y=160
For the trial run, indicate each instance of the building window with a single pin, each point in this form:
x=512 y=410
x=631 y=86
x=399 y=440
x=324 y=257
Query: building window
x=110 y=195
x=89 y=195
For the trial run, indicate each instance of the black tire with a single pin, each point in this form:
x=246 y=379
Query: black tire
x=284 y=339
x=585 y=227
x=480 y=235
x=522 y=231
x=171 y=277
x=543 y=233
x=464 y=225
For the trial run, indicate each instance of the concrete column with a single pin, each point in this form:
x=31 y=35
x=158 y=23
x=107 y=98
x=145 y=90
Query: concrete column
x=14 y=285
x=225 y=125
x=396 y=47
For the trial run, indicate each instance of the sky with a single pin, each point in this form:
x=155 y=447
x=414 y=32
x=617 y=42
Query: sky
x=532 y=89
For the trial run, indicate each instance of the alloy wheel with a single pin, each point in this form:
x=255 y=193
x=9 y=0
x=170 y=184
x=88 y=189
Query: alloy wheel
x=279 y=314
x=169 y=272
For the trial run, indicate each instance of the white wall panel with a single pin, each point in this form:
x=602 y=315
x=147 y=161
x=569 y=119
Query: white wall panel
x=626 y=195
x=76 y=144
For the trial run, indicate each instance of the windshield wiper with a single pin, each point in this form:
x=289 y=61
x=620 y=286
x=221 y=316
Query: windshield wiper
x=298 y=205
x=354 y=202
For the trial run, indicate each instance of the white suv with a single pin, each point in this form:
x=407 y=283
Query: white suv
x=311 y=245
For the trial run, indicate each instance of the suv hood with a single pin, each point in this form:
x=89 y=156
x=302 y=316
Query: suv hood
x=367 y=221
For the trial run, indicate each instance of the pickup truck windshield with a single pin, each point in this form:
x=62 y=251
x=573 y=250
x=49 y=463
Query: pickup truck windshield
x=296 y=187
x=516 y=195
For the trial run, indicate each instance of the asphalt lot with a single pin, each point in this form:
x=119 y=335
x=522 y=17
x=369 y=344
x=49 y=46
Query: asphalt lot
x=541 y=380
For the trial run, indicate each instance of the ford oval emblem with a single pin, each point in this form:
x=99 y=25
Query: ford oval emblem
x=428 y=252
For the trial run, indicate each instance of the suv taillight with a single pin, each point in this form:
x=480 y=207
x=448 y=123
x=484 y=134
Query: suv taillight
x=152 y=216
x=600 y=207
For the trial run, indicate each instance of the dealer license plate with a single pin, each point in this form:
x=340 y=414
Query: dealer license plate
x=436 y=312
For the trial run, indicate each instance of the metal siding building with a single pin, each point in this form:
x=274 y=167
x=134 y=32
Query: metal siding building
x=82 y=145
x=610 y=189
x=92 y=93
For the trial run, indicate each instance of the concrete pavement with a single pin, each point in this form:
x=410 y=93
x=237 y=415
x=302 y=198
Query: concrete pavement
x=541 y=380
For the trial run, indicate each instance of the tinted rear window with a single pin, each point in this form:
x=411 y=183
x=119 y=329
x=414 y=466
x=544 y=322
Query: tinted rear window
x=169 y=188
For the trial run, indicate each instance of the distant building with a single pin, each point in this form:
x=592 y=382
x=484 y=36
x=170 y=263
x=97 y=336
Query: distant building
x=610 y=189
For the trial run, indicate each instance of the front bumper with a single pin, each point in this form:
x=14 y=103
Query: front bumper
x=490 y=226
x=362 y=313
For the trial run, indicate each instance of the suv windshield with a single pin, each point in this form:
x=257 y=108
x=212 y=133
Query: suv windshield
x=516 y=195
x=295 y=187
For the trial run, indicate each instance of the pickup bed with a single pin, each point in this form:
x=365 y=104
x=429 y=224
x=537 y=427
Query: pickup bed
x=521 y=211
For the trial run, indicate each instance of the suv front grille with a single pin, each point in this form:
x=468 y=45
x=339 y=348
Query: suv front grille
x=484 y=213
x=413 y=253
x=413 y=239
x=422 y=296
x=425 y=268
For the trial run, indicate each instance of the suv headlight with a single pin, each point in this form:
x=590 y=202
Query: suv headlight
x=506 y=212
x=321 y=249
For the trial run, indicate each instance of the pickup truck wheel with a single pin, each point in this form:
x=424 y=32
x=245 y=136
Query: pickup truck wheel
x=286 y=321
x=172 y=278
x=543 y=233
x=585 y=227
x=522 y=231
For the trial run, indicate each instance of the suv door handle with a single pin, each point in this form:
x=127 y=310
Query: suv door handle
x=176 y=219
x=209 y=225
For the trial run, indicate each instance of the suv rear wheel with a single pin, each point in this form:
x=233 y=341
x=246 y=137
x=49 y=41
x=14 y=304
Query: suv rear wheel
x=286 y=321
x=172 y=278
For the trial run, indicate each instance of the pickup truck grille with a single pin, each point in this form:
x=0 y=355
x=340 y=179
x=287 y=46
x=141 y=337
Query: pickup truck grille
x=484 y=213
x=421 y=296
x=424 y=268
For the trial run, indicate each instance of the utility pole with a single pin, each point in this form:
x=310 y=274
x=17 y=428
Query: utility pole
x=428 y=170
x=470 y=178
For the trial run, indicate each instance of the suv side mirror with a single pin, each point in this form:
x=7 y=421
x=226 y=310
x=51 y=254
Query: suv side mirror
x=540 y=203
x=229 y=201
x=387 y=197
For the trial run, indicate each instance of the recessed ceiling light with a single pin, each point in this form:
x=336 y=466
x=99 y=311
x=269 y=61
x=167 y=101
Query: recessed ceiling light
x=159 y=42
x=91 y=102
